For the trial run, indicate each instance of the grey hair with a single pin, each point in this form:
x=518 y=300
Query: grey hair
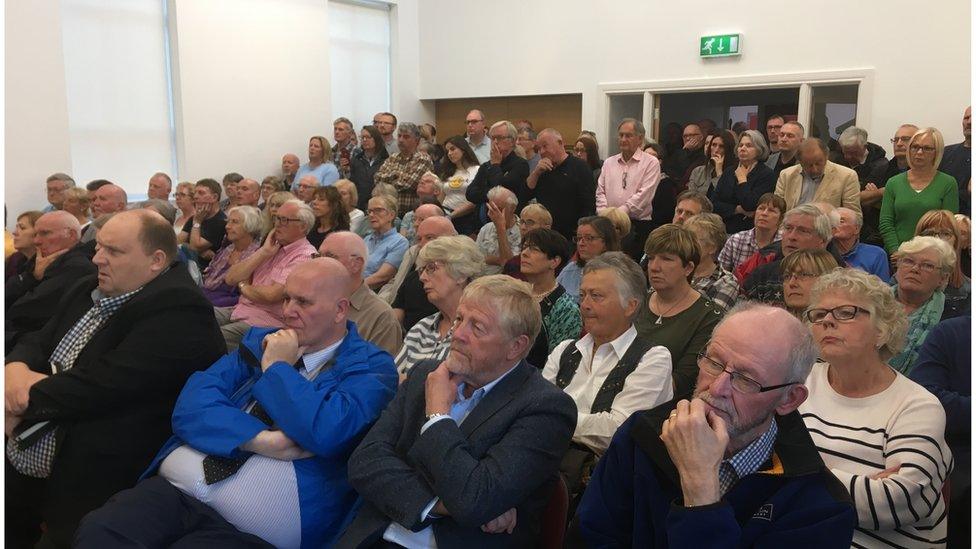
x=342 y=120
x=409 y=127
x=811 y=142
x=853 y=136
x=554 y=133
x=305 y=213
x=460 y=255
x=803 y=130
x=631 y=282
x=947 y=256
x=713 y=230
x=162 y=207
x=821 y=222
x=758 y=141
x=638 y=125
x=858 y=218
x=802 y=350
x=68 y=181
x=887 y=314
x=251 y=218
x=499 y=191
x=509 y=128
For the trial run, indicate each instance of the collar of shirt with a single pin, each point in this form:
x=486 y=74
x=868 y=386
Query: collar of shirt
x=108 y=305
x=479 y=393
x=289 y=248
x=383 y=236
x=619 y=345
x=749 y=459
x=817 y=179
x=485 y=142
x=358 y=297
x=314 y=361
x=638 y=156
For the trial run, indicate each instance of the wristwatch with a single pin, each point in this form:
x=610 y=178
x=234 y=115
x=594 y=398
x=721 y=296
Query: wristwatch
x=240 y=285
x=196 y=225
x=436 y=415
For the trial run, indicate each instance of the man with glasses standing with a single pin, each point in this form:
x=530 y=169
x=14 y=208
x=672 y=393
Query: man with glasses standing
x=734 y=465
x=899 y=158
x=386 y=123
x=477 y=137
x=504 y=168
x=628 y=182
x=261 y=277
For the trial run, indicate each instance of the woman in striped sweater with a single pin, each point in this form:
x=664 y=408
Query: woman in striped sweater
x=880 y=433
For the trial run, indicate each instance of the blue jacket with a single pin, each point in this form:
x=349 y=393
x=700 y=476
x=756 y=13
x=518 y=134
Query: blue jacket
x=634 y=497
x=327 y=416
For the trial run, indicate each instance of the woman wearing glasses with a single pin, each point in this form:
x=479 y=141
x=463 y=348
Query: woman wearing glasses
x=676 y=315
x=909 y=195
x=801 y=270
x=880 y=433
x=594 y=235
x=923 y=266
x=446 y=265
x=184 y=202
x=386 y=246
x=544 y=251
x=534 y=216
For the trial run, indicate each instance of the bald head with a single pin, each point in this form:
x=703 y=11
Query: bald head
x=56 y=231
x=248 y=192
x=315 y=307
x=434 y=227
x=425 y=211
x=108 y=199
x=320 y=274
x=349 y=249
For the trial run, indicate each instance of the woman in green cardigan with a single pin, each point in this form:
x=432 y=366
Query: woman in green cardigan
x=909 y=195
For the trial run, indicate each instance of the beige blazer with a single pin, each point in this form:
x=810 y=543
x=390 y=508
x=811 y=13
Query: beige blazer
x=839 y=187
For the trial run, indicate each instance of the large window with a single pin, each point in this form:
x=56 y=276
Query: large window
x=118 y=91
x=359 y=42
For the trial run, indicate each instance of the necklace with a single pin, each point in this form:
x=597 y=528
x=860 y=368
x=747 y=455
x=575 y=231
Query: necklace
x=541 y=295
x=671 y=308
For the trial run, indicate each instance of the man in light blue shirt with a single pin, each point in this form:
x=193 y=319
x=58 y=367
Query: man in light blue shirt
x=477 y=137
x=57 y=183
x=868 y=258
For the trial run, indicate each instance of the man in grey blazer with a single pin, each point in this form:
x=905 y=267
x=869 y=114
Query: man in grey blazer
x=466 y=453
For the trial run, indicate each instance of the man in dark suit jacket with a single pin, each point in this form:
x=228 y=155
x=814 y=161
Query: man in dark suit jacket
x=31 y=298
x=466 y=452
x=120 y=350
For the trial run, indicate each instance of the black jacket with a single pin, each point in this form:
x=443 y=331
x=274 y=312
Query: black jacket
x=115 y=403
x=511 y=174
x=30 y=302
x=728 y=194
x=361 y=173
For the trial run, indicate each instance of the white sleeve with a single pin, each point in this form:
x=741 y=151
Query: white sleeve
x=551 y=370
x=646 y=387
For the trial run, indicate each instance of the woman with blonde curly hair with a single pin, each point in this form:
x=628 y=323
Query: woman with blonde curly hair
x=877 y=431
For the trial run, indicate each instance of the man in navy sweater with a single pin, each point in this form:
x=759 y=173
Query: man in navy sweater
x=732 y=467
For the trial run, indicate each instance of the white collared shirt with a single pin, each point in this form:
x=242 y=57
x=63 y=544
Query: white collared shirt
x=647 y=386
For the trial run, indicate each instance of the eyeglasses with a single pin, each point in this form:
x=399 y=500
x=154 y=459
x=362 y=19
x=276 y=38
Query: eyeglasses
x=740 y=382
x=922 y=148
x=430 y=268
x=799 y=276
x=527 y=222
x=499 y=137
x=375 y=211
x=472 y=121
x=281 y=220
x=902 y=139
x=842 y=313
x=924 y=266
x=586 y=238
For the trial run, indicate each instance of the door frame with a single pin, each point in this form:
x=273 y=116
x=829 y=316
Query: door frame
x=805 y=81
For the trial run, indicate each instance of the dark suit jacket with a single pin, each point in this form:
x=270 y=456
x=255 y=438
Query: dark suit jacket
x=115 y=403
x=501 y=456
x=30 y=302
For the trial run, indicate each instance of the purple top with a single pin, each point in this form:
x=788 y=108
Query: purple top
x=217 y=291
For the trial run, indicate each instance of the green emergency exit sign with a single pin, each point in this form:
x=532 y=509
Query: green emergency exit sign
x=721 y=45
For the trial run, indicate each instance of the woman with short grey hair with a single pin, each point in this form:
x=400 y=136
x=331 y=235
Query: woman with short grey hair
x=710 y=278
x=446 y=265
x=923 y=266
x=737 y=192
x=245 y=226
x=878 y=432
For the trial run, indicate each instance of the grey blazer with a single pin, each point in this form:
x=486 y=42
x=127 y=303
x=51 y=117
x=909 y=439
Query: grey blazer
x=505 y=454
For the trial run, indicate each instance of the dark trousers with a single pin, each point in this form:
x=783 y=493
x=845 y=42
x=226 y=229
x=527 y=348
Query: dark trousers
x=23 y=497
x=156 y=514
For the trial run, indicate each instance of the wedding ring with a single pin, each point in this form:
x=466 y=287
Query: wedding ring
x=673 y=413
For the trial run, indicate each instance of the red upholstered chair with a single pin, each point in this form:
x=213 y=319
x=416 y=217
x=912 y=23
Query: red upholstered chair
x=554 y=516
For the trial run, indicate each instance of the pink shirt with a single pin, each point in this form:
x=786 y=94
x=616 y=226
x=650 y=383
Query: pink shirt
x=629 y=185
x=273 y=271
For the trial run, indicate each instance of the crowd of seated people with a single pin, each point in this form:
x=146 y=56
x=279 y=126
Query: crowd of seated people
x=735 y=337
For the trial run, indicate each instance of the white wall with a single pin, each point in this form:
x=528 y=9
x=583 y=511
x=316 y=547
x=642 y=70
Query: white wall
x=920 y=57
x=251 y=82
x=36 y=142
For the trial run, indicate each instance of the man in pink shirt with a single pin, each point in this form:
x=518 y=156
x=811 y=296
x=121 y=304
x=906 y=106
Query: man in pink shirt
x=628 y=182
x=261 y=277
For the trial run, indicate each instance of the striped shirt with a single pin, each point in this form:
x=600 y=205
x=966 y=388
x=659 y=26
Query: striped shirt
x=423 y=342
x=901 y=426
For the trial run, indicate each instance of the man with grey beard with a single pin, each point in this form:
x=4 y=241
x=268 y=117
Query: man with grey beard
x=732 y=466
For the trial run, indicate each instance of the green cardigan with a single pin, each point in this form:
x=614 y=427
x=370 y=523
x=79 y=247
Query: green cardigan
x=902 y=207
